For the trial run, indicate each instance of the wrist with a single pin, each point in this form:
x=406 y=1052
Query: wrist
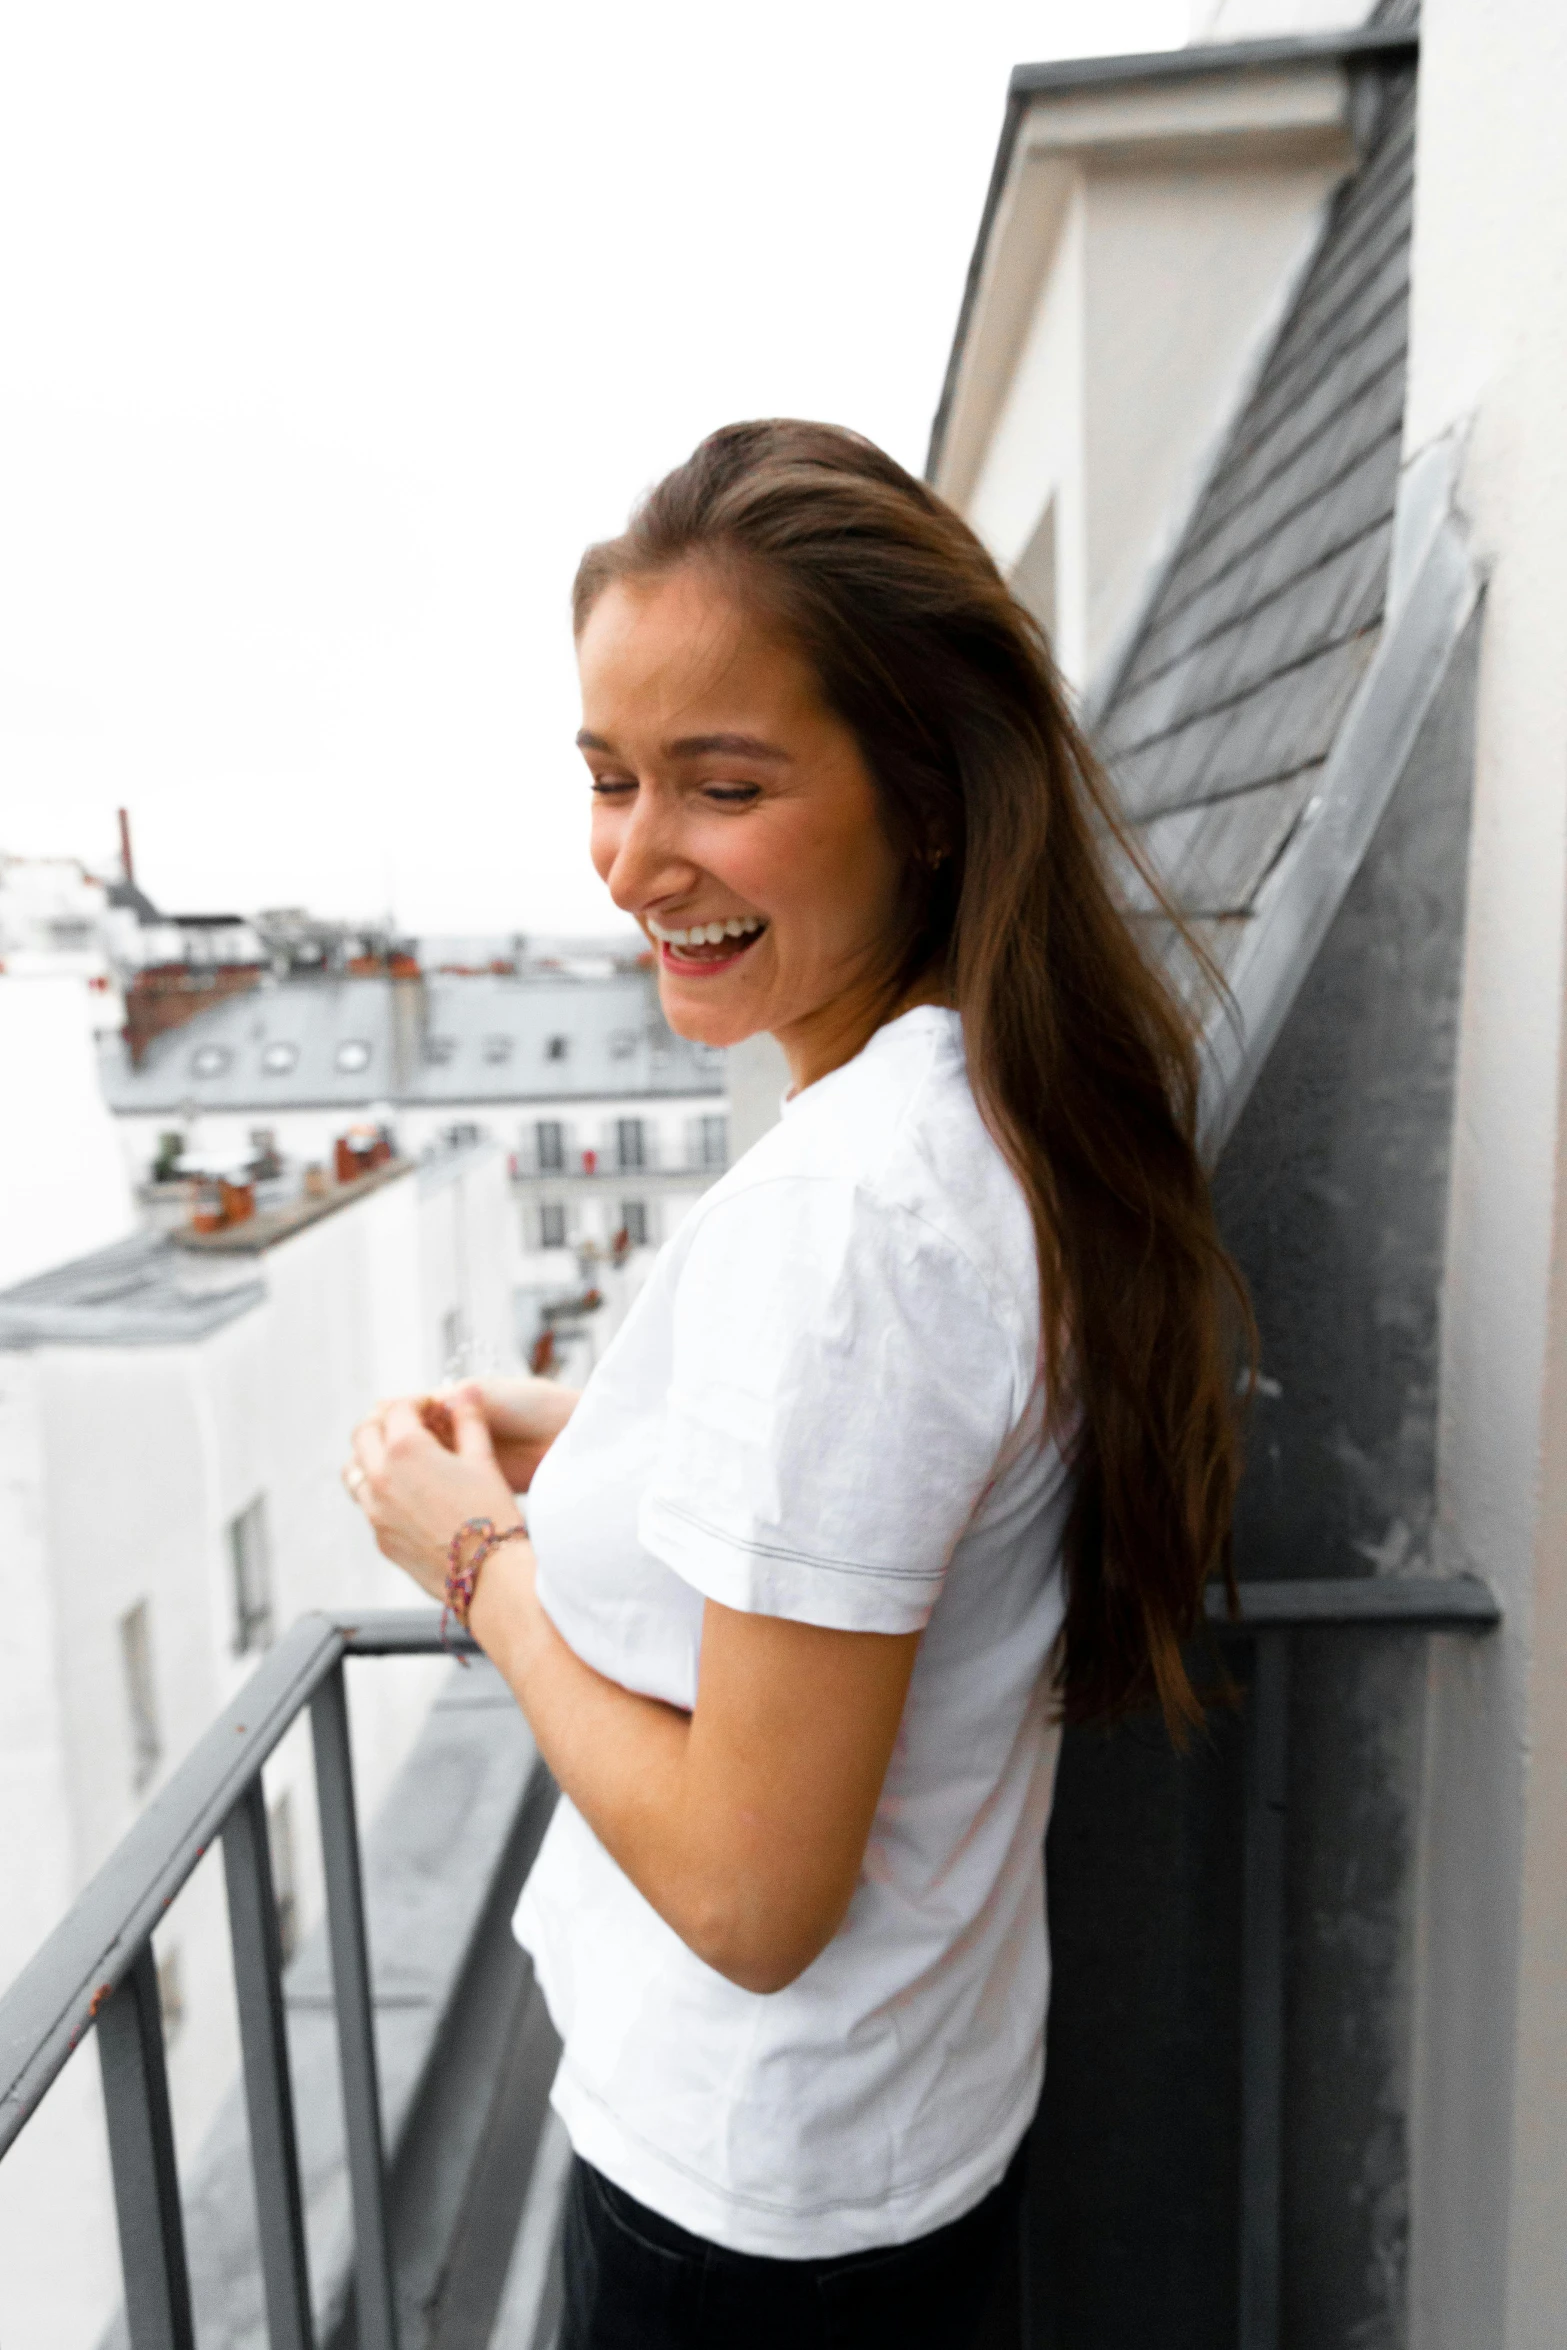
x=504 y=1613
x=467 y=1555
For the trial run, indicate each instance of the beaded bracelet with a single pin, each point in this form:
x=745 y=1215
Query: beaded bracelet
x=461 y=1577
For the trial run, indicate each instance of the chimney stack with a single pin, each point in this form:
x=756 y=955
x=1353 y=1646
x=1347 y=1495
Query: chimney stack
x=127 y=865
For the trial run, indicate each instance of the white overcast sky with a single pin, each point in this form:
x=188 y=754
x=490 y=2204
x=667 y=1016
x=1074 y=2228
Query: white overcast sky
x=333 y=333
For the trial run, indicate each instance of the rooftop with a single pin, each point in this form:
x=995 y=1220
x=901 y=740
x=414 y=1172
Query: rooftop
x=341 y=1043
x=137 y=1292
x=1391 y=41
x=1269 y=616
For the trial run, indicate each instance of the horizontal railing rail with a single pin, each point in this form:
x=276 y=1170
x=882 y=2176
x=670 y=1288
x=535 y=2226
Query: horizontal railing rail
x=1412 y=1603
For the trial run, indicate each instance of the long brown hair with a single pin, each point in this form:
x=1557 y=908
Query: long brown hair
x=1082 y=1058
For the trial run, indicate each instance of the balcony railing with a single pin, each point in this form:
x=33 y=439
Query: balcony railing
x=96 y=1974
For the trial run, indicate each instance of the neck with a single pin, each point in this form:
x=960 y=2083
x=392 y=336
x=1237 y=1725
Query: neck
x=837 y=1032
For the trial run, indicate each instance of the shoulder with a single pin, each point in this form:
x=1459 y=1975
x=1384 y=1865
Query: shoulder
x=884 y=1173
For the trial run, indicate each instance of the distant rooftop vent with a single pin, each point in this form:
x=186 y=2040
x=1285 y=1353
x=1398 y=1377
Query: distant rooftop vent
x=352 y=1056
x=210 y=1060
x=557 y=1048
x=278 y=1059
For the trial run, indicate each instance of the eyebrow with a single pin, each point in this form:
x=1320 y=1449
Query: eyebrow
x=699 y=746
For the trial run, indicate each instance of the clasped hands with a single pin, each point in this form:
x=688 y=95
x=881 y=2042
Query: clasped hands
x=420 y=1465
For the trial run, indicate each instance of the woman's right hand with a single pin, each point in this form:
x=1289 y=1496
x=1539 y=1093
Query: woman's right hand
x=524 y=1416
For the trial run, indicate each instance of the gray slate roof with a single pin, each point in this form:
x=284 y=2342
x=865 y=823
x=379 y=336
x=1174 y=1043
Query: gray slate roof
x=1270 y=613
x=345 y=1043
x=143 y=1291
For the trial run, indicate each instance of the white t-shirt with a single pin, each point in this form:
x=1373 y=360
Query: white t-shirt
x=824 y=1405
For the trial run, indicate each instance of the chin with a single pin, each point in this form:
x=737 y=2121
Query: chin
x=701 y=1022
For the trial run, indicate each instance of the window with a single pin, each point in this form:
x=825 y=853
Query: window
x=630 y=1143
x=141 y=1701
x=712 y=1141
x=622 y=1043
x=556 y=1048
x=497 y=1049
x=353 y=1054
x=285 y=1874
x=552 y=1225
x=250 y=1566
x=209 y=1060
x=633 y=1222
x=278 y=1059
x=551 y=1136
x=171 y=1993
x=439 y=1050
x=455 y=1349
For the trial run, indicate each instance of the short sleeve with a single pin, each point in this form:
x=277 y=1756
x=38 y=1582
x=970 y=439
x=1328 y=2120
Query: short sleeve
x=841 y=1390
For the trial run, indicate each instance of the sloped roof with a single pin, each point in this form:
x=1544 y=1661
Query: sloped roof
x=135 y=1292
x=342 y=1043
x=1271 y=612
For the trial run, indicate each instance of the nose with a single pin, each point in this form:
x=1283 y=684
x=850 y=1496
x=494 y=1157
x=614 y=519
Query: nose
x=645 y=861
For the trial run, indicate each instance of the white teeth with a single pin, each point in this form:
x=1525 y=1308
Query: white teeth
x=709 y=934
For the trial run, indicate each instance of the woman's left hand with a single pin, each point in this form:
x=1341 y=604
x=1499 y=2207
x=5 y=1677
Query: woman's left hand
x=416 y=1494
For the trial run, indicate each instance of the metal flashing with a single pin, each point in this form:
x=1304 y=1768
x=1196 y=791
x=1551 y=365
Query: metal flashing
x=1370 y=44
x=1299 y=899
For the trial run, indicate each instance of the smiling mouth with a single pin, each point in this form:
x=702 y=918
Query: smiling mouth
x=706 y=947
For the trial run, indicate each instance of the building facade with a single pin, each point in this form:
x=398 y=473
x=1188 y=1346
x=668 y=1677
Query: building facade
x=1255 y=395
x=174 y=1414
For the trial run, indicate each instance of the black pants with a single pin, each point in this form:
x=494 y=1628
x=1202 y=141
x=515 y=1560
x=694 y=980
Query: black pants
x=635 y=2281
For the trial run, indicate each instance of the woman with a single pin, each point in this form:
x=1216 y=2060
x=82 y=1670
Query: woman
x=918 y=1440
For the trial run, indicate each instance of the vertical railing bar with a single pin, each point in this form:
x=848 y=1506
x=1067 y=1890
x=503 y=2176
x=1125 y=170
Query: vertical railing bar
x=375 y=2313
x=1262 y=1993
x=269 y=2099
x=141 y=2157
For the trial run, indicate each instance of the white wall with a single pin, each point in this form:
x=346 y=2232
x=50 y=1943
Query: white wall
x=63 y=1190
x=1253 y=20
x=757 y=1077
x=469 y=1255
x=1489 y=360
x=1037 y=454
x=121 y=1469
x=1143 y=252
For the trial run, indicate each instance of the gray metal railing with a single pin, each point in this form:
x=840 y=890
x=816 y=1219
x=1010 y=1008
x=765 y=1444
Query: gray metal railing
x=96 y=1973
x=1271 y=1615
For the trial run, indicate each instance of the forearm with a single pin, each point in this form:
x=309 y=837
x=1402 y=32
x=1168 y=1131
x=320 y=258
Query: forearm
x=622 y=1758
x=718 y=1835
